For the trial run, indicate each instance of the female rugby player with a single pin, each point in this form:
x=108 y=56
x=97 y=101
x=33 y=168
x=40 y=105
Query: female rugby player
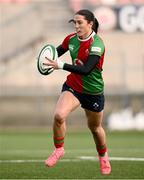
x=84 y=86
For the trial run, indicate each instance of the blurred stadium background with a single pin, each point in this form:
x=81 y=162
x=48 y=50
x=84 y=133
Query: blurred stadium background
x=27 y=98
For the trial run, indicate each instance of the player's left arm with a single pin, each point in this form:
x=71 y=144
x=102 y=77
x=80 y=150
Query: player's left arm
x=83 y=69
x=95 y=52
x=78 y=69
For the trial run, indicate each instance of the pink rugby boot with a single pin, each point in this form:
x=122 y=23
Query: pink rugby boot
x=54 y=157
x=105 y=166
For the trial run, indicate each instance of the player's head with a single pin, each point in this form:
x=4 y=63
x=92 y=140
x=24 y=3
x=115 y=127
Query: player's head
x=85 y=20
x=89 y=16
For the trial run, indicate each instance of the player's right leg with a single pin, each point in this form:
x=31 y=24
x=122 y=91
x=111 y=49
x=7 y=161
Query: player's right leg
x=67 y=103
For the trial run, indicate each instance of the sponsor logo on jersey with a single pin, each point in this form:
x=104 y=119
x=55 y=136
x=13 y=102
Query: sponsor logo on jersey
x=96 y=49
x=71 y=47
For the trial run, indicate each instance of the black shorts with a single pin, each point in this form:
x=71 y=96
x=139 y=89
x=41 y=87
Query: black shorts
x=91 y=102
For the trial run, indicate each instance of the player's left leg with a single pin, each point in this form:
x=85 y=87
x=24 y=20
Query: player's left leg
x=95 y=126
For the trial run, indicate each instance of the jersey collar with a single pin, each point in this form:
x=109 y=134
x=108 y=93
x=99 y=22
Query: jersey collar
x=91 y=35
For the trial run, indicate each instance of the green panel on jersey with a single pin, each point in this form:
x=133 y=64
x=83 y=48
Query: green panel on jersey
x=74 y=44
x=97 y=47
x=93 y=83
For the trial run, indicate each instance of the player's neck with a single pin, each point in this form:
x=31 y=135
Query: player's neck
x=86 y=37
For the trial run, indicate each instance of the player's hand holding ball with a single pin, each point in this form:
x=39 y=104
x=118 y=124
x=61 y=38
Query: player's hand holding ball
x=58 y=64
x=47 y=60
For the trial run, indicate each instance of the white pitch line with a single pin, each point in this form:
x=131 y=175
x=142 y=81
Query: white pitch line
x=78 y=159
x=35 y=160
x=21 y=161
x=126 y=159
x=92 y=158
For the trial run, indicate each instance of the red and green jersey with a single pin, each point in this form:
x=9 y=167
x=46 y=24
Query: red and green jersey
x=79 y=51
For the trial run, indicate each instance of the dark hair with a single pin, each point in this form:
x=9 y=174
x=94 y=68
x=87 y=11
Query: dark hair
x=89 y=16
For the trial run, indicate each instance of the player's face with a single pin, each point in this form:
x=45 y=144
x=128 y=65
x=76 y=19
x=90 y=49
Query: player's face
x=82 y=26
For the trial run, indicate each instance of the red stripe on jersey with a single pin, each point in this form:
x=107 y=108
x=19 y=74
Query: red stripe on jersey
x=83 y=51
x=75 y=80
x=100 y=62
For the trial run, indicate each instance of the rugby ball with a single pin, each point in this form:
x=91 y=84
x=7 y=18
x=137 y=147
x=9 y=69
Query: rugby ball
x=50 y=52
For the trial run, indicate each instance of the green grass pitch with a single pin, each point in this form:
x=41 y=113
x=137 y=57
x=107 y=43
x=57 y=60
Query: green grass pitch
x=33 y=147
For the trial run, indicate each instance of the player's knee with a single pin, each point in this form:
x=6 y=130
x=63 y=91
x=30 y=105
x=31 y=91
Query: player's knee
x=59 y=118
x=95 y=129
x=91 y=126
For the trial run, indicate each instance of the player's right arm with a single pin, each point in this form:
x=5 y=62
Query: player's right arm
x=61 y=50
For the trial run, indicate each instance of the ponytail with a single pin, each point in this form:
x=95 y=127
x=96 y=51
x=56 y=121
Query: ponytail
x=95 y=25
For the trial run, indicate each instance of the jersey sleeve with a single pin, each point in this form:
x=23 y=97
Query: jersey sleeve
x=83 y=69
x=97 y=47
x=65 y=42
